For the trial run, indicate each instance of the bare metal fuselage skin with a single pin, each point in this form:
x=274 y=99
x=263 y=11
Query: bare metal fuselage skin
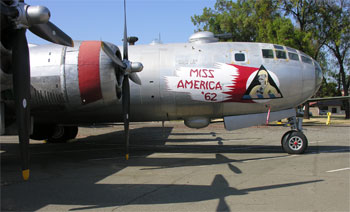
x=179 y=81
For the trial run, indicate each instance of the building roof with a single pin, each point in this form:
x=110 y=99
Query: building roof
x=330 y=103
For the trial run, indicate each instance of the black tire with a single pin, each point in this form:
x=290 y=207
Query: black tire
x=284 y=137
x=294 y=142
x=42 y=131
x=72 y=132
x=62 y=134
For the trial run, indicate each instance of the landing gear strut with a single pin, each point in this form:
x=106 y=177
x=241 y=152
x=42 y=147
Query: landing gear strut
x=294 y=141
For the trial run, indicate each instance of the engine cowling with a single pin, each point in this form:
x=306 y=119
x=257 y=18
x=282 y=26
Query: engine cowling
x=71 y=78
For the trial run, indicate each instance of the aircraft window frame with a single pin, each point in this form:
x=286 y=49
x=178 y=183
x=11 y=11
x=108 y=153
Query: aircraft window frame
x=306 y=59
x=291 y=50
x=319 y=72
x=281 y=54
x=240 y=53
x=295 y=56
x=269 y=51
x=317 y=66
x=278 y=47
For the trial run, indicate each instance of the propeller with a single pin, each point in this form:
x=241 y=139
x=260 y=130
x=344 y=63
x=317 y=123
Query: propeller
x=52 y=33
x=36 y=19
x=125 y=70
x=20 y=17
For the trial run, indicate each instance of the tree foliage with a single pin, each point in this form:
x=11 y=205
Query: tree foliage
x=237 y=18
x=328 y=89
x=334 y=25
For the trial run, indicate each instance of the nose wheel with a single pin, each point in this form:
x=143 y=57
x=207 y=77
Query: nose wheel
x=294 y=141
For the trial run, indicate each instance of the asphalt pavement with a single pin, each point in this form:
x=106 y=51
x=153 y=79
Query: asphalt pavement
x=180 y=169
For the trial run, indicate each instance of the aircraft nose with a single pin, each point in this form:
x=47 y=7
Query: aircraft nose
x=318 y=76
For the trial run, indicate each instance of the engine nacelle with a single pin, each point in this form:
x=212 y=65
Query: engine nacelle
x=69 y=78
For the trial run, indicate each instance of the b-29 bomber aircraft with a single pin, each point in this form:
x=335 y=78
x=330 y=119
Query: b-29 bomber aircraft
x=195 y=82
x=246 y=84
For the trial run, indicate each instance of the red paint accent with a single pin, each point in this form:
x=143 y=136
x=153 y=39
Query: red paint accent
x=268 y=116
x=199 y=84
x=89 y=71
x=238 y=88
x=202 y=73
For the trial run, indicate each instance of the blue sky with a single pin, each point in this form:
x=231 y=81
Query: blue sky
x=103 y=19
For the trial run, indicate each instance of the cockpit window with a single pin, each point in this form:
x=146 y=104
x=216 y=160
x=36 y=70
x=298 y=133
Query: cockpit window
x=306 y=59
x=318 y=73
x=318 y=67
x=278 y=47
x=267 y=53
x=239 y=57
x=293 y=56
x=281 y=54
x=291 y=50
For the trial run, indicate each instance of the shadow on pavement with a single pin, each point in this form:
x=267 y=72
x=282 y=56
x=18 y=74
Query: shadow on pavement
x=68 y=174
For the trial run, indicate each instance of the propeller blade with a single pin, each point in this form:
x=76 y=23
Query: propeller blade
x=52 y=33
x=118 y=91
x=21 y=88
x=119 y=85
x=126 y=111
x=135 y=78
x=111 y=55
x=125 y=40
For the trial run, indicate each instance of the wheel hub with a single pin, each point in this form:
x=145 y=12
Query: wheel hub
x=295 y=143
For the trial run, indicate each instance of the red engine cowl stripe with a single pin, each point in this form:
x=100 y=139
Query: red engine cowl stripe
x=89 y=71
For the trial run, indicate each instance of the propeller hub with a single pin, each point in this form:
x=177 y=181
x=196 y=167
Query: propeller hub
x=31 y=15
x=136 y=67
x=127 y=64
x=132 y=67
x=38 y=14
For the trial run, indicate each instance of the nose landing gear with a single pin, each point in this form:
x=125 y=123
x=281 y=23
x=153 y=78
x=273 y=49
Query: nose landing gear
x=294 y=141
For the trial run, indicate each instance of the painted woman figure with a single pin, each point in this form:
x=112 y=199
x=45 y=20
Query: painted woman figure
x=262 y=87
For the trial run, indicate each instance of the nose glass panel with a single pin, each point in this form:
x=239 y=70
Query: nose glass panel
x=318 y=76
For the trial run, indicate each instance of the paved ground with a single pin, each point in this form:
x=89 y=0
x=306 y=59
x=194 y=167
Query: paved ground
x=181 y=169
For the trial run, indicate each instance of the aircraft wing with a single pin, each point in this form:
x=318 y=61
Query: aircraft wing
x=329 y=98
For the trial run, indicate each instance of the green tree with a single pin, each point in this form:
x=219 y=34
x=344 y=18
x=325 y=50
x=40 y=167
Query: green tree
x=279 y=30
x=327 y=22
x=335 y=16
x=249 y=21
x=305 y=12
x=272 y=27
x=327 y=89
x=237 y=18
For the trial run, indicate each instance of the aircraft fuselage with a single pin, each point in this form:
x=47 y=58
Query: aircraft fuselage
x=179 y=81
